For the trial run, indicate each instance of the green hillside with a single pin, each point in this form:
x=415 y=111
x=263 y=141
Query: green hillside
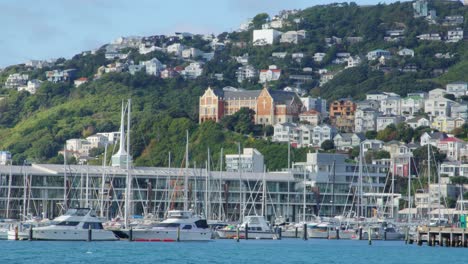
x=35 y=127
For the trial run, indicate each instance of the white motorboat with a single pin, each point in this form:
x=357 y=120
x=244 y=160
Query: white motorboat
x=182 y=225
x=74 y=225
x=20 y=230
x=257 y=228
x=319 y=230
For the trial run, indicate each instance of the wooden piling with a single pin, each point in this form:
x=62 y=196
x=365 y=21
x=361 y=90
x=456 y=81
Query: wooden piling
x=369 y=236
x=178 y=234
x=90 y=234
x=130 y=234
x=246 y=231
x=30 y=237
x=238 y=234
x=305 y=232
x=16 y=233
x=296 y=234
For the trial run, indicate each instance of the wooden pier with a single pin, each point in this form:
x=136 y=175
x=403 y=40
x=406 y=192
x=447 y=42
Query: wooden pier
x=441 y=236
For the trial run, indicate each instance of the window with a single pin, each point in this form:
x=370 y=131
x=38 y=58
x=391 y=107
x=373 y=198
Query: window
x=187 y=227
x=68 y=223
x=93 y=225
x=201 y=224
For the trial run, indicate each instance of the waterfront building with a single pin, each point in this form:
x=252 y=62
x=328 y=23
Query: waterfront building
x=251 y=160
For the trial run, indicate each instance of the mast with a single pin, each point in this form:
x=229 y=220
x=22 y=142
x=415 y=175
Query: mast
x=360 y=207
x=10 y=177
x=87 y=187
x=103 y=180
x=429 y=202
x=304 y=198
x=208 y=187
x=121 y=154
x=241 y=204
x=409 y=189
x=264 y=192
x=186 y=172
x=220 y=185
x=393 y=190
x=333 y=188
x=65 y=202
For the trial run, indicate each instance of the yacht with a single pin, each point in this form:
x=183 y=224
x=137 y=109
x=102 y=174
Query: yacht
x=74 y=225
x=185 y=224
x=257 y=226
x=377 y=232
x=319 y=230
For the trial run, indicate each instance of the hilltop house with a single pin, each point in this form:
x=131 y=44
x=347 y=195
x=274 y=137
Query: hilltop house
x=272 y=74
x=262 y=37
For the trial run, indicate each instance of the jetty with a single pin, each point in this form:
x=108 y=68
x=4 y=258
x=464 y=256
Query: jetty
x=442 y=236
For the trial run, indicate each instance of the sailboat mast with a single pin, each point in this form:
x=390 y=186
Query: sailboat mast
x=186 y=172
x=264 y=192
x=208 y=186
x=333 y=188
x=429 y=180
x=103 y=180
x=409 y=189
x=220 y=185
x=65 y=205
x=241 y=204
x=360 y=208
x=10 y=177
x=304 y=198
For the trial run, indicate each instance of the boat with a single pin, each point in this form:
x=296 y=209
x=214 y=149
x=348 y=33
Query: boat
x=178 y=226
x=257 y=228
x=319 y=230
x=382 y=232
x=74 y=225
x=20 y=230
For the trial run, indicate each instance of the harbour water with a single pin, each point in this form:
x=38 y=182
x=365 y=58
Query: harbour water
x=227 y=251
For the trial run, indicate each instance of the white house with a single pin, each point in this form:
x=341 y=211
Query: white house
x=251 y=160
x=31 y=87
x=15 y=80
x=153 y=67
x=391 y=105
x=97 y=140
x=457 y=88
x=318 y=104
x=438 y=106
x=272 y=74
x=322 y=133
x=193 y=70
x=112 y=137
x=411 y=104
x=453 y=147
x=455 y=35
x=246 y=72
x=430 y=37
x=5 y=157
x=406 y=52
x=378 y=53
x=437 y=93
x=371 y=144
x=293 y=37
x=346 y=141
x=263 y=37
x=80 y=81
x=318 y=56
x=418 y=122
x=312 y=116
x=175 y=49
x=432 y=138
x=384 y=121
x=191 y=53
x=353 y=61
x=365 y=119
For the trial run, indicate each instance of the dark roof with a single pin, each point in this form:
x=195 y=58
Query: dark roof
x=241 y=94
x=282 y=96
x=438 y=135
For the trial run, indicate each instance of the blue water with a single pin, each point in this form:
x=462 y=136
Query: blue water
x=228 y=251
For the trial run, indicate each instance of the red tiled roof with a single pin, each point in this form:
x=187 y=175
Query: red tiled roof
x=83 y=79
x=450 y=139
x=310 y=112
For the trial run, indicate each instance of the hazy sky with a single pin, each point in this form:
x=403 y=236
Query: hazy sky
x=41 y=29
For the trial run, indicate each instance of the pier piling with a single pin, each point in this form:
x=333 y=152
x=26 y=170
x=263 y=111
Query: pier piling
x=16 y=233
x=178 y=234
x=360 y=233
x=90 y=234
x=280 y=231
x=296 y=232
x=238 y=235
x=30 y=237
x=246 y=231
x=337 y=233
x=130 y=234
x=369 y=236
x=305 y=232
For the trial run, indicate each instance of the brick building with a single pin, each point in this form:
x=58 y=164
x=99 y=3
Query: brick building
x=270 y=107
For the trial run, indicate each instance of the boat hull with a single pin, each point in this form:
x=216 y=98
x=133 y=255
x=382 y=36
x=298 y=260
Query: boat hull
x=148 y=235
x=73 y=235
x=230 y=234
x=317 y=234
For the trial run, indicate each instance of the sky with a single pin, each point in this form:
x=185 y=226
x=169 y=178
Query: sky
x=43 y=29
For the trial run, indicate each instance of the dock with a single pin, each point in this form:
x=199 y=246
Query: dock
x=441 y=236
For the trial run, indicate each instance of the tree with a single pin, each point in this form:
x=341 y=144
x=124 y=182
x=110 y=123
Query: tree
x=327 y=145
x=371 y=134
x=259 y=20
